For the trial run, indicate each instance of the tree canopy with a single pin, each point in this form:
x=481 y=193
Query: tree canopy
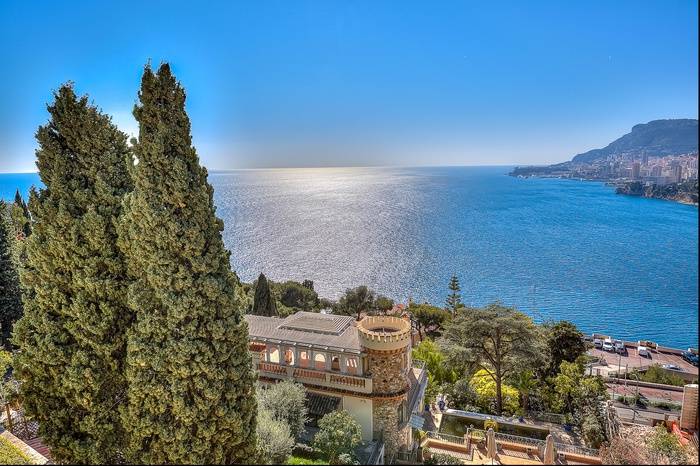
x=498 y=339
x=190 y=377
x=564 y=343
x=10 y=297
x=72 y=337
x=339 y=433
x=356 y=301
x=454 y=299
x=263 y=301
x=429 y=319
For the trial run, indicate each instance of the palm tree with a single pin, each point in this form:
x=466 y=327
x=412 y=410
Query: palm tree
x=525 y=383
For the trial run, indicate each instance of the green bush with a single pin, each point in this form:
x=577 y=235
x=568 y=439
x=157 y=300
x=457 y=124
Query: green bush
x=656 y=374
x=442 y=458
x=593 y=431
x=10 y=454
x=339 y=434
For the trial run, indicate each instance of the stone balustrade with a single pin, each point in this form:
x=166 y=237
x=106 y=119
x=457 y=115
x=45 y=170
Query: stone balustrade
x=316 y=377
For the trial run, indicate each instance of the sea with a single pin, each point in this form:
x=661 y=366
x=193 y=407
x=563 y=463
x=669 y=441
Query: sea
x=553 y=248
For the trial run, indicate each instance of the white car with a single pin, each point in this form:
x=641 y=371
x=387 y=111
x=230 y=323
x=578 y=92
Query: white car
x=671 y=367
x=619 y=346
x=608 y=345
x=598 y=343
x=643 y=351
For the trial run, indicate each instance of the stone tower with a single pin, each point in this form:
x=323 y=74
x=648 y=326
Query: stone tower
x=387 y=343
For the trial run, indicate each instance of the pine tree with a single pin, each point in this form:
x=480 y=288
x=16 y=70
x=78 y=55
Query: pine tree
x=191 y=392
x=72 y=335
x=454 y=299
x=10 y=298
x=263 y=302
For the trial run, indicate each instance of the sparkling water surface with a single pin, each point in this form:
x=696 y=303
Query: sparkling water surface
x=557 y=249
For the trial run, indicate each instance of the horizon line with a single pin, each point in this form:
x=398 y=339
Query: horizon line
x=219 y=170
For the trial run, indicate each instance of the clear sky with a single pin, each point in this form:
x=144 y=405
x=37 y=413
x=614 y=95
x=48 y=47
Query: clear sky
x=318 y=83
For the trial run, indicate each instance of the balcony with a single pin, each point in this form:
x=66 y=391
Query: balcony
x=320 y=378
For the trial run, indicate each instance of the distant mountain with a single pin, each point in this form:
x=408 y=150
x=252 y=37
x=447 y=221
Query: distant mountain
x=658 y=137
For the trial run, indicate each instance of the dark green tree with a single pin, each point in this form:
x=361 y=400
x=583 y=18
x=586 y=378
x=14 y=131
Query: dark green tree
x=454 y=299
x=297 y=297
x=498 y=339
x=564 y=343
x=263 y=302
x=10 y=297
x=383 y=304
x=356 y=301
x=21 y=216
x=308 y=284
x=72 y=335
x=191 y=396
x=429 y=319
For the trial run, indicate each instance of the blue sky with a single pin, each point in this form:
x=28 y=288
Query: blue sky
x=323 y=83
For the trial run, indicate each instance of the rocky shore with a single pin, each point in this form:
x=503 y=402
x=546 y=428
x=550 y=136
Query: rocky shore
x=685 y=193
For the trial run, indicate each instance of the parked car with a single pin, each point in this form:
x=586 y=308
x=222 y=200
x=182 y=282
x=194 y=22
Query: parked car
x=671 y=367
x=598 y=343
x=643 y=351
x=608 y=345
x=690 y=357
x=619 y=346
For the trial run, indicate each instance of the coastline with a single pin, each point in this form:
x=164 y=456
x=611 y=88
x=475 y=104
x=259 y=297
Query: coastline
x=620 y=188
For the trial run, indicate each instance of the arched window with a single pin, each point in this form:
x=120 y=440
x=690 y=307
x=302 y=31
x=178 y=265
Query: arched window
x=319 y=361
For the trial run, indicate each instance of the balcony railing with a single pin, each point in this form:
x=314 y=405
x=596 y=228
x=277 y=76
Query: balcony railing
x=316 y=377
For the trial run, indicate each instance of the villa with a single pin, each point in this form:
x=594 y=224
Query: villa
x=362 y=367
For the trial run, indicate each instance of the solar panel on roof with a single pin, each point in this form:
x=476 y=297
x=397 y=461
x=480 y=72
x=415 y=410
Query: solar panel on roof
x=317 y=323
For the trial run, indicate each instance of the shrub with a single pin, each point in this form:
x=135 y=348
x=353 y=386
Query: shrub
x=664 y=446
x=593 y=431
x=442 y=458
x=339 y=433
x=286 y=402
x=275 y=441
x=10 y=454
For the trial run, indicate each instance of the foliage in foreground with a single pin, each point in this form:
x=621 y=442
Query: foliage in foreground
x=656 y=447
x=72 y=337
x=190 y=392
x=339 y=434
x=10 y=299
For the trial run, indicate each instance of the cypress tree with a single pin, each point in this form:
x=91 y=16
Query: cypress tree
x=72 y=334
x=191 y=392
x=454 y=299
x=10 y=299
x=263 y=301
x=21 y=216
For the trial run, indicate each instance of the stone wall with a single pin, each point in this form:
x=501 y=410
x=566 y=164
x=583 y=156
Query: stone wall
x=386 y=420
x=389 y=371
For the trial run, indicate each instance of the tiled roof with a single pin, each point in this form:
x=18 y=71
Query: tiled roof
x=307 y=329
x=320 y=405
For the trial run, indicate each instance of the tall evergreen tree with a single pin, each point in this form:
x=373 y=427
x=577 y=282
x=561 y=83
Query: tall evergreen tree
x=263 y=301
x=454 y=299
x=191 y=392
x=21 y=216
x=72 y=334
x=10 y=298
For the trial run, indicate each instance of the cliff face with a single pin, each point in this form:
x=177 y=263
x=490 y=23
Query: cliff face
x=658 y=137
x=686 y=192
